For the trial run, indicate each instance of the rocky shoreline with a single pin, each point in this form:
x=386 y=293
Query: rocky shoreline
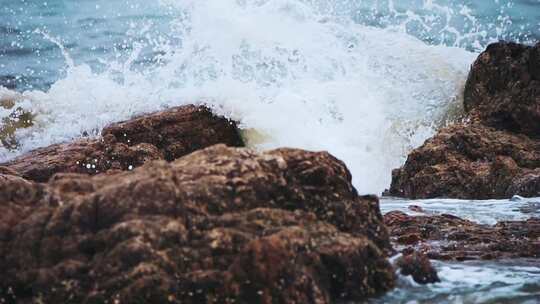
x=148 y=223
x=170 y=207
x=495 y=152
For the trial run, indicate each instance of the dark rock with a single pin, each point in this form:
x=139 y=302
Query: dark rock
x=503 y=88
x=496 y=154
x=163 y=135
x=470 y=162
x=447 y=237
x=177 y=131
x=220 y=225
x=527 y=184
x=419 y=267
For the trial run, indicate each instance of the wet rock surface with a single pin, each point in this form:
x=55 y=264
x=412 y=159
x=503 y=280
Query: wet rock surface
x=220 y=225
x=418 y=266
x=503 y=88
x=471 y=162
x=496 y=152
x=166 y=135
x=447 y=237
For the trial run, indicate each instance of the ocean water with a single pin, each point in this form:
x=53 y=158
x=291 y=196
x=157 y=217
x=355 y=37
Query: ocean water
x=366 y=80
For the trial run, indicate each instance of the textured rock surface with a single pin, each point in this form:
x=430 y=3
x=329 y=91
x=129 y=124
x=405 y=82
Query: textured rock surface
x=496 y=153
x=418 y=266
x=470 y=162
x=503 y=88
x=218 y=225
x=163 y=135
x=447 y=237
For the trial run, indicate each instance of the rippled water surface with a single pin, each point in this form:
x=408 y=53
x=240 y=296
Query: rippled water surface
x=507 y=281
x=487 y=212
x=513 y=281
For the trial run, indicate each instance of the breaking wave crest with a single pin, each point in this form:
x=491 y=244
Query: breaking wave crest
x=364 y=80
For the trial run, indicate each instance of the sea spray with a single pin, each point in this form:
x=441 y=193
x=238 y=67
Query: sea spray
x=318 y=75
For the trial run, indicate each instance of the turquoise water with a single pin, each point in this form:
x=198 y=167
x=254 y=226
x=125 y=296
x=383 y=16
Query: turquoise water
x=365 y=80
x=90 y=30
x=98 y=30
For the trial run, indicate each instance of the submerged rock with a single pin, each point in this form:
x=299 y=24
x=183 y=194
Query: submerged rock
x=447 y=237
x=220 y=225
x=496 y=152
x=418 y=266
x=166 y=135
x=16 y=120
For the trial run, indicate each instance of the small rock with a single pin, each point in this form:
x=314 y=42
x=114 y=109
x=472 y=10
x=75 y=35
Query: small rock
x=419 y=267
x=447 y=237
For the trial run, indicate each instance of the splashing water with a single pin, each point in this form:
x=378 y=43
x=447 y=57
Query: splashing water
x=300 y=73
x=366 y=80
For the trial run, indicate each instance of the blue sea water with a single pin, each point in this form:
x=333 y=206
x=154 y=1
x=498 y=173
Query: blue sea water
x=96 y=30
x=366 y=80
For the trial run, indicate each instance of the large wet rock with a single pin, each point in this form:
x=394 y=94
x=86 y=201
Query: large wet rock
x=165 y=135
x=471 y=162
x=220 y=225
x=447 y=237
x=503 y=88
x=495 y=153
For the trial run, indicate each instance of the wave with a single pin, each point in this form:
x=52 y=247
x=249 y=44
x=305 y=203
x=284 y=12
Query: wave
x=340 y=76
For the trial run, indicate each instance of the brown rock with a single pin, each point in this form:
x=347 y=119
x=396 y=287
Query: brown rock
x=416 y=208
x=177 y=131
x=218 y=225
x=503 y=88
x=470 y=162
x=308 y=262
x=419 y=267
x=447 y=237
x=163 y=135
x=496 y=154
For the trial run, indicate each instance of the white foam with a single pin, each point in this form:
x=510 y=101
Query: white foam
x=473 y=282
x=305 y=79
